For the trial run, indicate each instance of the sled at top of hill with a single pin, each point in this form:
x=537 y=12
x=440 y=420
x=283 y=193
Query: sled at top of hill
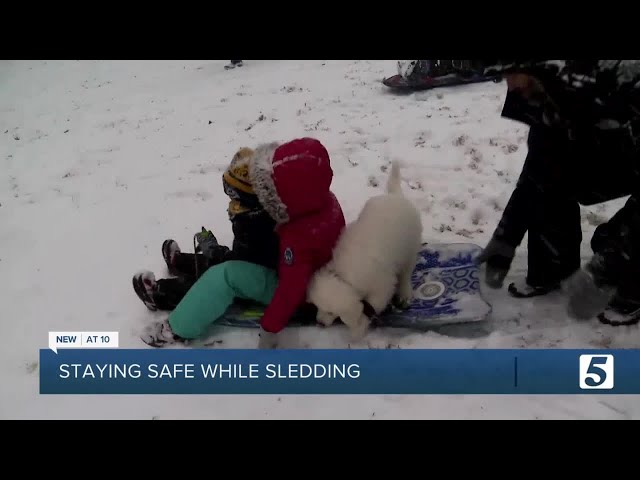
x=428 y=74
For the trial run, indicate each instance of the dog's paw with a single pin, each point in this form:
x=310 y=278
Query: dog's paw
x=402 y=302
x=325 y=319
x=360 y=329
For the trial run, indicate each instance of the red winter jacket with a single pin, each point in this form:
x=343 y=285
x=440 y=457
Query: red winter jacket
x=292 y=182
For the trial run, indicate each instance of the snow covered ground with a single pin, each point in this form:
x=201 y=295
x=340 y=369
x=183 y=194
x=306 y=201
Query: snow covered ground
x=101 y=161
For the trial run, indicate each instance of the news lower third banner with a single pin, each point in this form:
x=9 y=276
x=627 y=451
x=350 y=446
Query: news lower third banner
x=338 y=372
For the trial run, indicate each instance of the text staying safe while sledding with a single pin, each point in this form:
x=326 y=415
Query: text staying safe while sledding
x=213 y=371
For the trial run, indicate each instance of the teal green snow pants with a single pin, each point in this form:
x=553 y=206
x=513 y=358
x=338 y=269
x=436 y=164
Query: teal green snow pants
x=214 y=292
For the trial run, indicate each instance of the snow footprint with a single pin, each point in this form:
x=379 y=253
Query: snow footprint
x=461 y=140
x=475 y=156
x=505 y=145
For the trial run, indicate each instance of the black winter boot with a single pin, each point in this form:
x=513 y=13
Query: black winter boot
x=164 y=294
x=170 y=249
x=621 y=312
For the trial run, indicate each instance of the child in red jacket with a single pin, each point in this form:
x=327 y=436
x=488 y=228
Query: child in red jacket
x=293 y=183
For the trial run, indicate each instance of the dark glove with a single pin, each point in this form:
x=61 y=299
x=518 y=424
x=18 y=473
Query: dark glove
x=206 y=243
x=588 y=291
x=498 y=256
x=204 y=240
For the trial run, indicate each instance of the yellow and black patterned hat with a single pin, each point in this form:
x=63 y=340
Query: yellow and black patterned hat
x=237 y=184
x=237 y=174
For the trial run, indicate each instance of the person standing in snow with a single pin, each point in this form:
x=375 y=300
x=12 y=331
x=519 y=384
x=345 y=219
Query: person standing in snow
x=292 y=182
x=234 y=64
x=584 y=149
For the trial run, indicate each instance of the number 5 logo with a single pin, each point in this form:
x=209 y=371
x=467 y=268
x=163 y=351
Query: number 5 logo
x=596 y=372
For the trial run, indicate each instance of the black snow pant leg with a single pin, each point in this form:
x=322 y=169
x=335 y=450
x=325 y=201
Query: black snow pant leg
x=613 y=172
x=185 y=264
x=541 y=207
x=555 y=236
x=555 y=230
x=170 y=291
x=618 y=243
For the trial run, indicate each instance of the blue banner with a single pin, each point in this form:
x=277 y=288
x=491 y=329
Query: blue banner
x=339 y=372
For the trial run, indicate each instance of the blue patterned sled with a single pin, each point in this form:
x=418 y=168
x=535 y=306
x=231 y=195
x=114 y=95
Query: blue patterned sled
x=446 y=289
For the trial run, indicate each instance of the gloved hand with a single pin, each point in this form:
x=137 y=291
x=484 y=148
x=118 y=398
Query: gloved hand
x=498 y=256
x=267 y=340
x=588 y=292
x=206 y=243
x=204 y=240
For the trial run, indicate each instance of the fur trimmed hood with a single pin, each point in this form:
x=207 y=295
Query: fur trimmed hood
x=292 y=179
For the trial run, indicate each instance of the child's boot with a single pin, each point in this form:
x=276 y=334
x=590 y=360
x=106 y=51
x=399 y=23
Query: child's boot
x=159 y=334
x=621 y=312
x=164 y=294
x=170 y=249
x=144 y=284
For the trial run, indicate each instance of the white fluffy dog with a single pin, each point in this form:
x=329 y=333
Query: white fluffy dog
x=373 y=260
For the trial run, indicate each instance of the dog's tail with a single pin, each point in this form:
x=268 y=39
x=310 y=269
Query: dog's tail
x=394 y=184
